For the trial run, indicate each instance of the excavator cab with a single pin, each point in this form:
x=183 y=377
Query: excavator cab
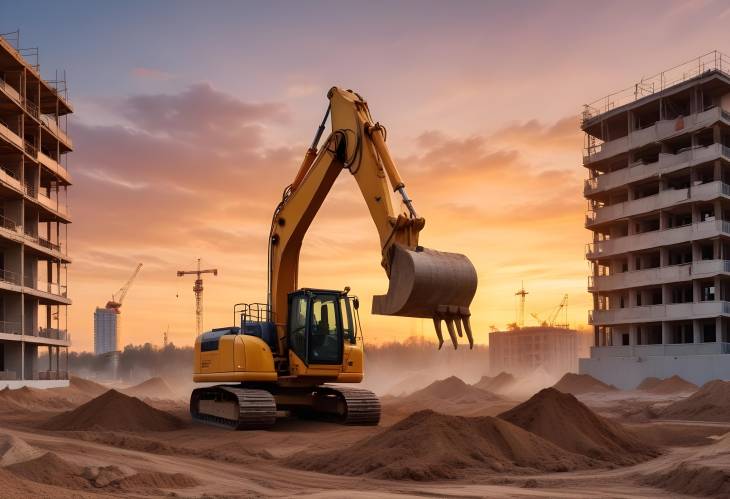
x=320 y=322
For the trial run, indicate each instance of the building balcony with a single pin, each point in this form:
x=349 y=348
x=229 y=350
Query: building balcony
x=662 y=200
x=50 y=124
x=53 y=205
x=666 y=163
x=54 y=290
x=657 y=238
x=664 y=350
x=11 y=136
x=52 y=333
x=55 y=167
x=9 y=327
x=10 y=91
x=657 y=132
x=659 y=275
x=657 y=313
x=9 y=178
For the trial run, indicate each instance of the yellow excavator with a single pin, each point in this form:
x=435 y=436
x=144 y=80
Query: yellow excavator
x=283 y=354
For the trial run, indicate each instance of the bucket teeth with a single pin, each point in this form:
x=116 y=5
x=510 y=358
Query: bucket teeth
x=458 y=326
x=467 y=329
x=452 y=332
x=439 y=333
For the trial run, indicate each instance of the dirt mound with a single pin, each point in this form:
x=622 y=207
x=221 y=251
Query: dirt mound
x=496 y=384
x=50 y=469
x=694 y=480
x=91 y=388
x=32 y=399
x=431 y=446
x=115 y=411
x=153 y=388
x=562 y=419
x=709 y=403
x=453 y=389
x=582 y=383
x=666 y=386
x=448 y=396
x=14 y=450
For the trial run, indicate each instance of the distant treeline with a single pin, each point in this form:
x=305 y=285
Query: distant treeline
x=136 y=362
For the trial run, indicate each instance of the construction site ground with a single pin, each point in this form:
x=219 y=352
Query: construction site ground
x=212 y=462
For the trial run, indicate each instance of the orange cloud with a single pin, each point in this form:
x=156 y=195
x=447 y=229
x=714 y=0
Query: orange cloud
x=199 y=172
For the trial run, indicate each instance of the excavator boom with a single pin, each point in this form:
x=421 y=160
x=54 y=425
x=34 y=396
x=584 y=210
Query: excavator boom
x=422 y=282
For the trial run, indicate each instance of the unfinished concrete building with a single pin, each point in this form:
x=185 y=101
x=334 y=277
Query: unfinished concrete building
x=527 y=349
x=658 y=161
x=34 y=216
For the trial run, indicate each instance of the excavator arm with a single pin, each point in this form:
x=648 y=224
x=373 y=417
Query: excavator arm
x=422 y=282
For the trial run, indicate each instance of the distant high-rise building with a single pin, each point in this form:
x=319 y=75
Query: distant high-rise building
x=34 y=217
x=106 y=330
x=658 y=162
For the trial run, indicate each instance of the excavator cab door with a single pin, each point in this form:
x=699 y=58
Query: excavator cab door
x=315 y=326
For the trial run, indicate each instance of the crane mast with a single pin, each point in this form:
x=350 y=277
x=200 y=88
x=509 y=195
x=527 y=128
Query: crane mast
x=198 y=290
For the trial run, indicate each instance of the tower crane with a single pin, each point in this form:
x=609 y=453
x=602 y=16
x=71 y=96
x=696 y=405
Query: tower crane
x=198 y=290
x=117 y=298
x=553 y=317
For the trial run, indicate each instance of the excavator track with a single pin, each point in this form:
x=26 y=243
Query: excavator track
x=350 y=406
x=233 y=407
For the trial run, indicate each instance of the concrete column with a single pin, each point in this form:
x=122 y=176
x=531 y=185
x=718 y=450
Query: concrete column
x=716 y=249
x=632 y=335
x=695 y=214
x=696 y=291
x=718 y=291
x=697 y=331
x=718 y=329
x=717 y=208
x=666 y=334
x=696 y=253
x=663 y=255
x=666 y=294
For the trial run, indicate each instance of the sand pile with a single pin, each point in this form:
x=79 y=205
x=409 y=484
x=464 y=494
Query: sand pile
x=50 y=469
x=153 y=388
x=562 y=419
x=14 y=450
x=432 y=446
x=115 y=411
x=496 y=384
x=692 y=479
x=448 y=396
x=666 y=386
x=450 y=389
x=32 y=399
x=709 y=403
x=578 y=384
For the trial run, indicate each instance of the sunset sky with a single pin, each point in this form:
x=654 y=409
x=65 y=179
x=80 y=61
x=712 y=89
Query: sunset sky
x=191 y=118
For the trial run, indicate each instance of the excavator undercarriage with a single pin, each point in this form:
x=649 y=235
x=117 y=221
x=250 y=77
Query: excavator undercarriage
x=243 y=408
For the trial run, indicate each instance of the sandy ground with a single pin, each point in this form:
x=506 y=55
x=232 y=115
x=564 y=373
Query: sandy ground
x=249 y=464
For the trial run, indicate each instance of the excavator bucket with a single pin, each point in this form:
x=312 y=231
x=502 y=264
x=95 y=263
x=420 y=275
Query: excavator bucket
x=431 y=284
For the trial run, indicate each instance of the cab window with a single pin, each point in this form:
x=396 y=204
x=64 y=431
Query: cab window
x=348 y=327
x=324 y=340
x=298 y=326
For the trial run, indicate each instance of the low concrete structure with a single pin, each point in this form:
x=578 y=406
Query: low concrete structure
x=524 y=350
